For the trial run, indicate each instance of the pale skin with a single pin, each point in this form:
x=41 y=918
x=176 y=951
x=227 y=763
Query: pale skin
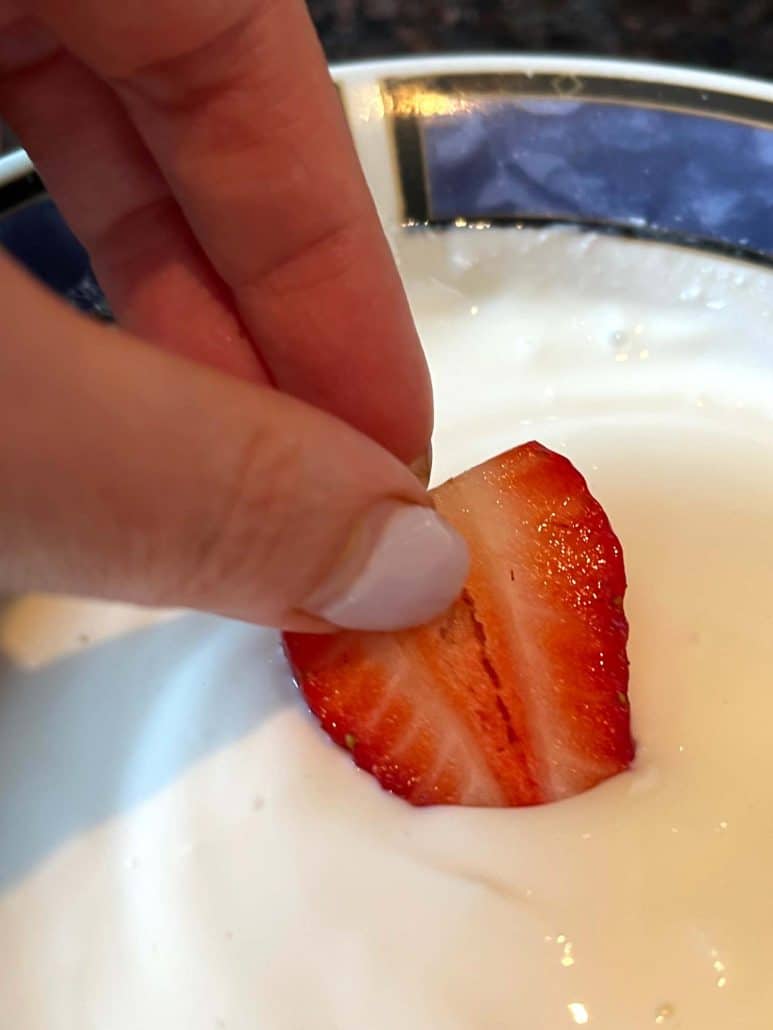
x=266 y=386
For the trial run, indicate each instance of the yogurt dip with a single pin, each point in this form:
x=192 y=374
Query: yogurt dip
x=180 y=846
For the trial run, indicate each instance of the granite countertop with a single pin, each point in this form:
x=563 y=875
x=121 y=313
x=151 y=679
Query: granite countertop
x=725 y=35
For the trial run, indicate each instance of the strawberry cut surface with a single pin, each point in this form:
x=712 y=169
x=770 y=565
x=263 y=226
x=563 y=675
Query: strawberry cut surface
x=518 y=695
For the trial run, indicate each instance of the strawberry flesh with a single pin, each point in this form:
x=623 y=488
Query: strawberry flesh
x=518 y=694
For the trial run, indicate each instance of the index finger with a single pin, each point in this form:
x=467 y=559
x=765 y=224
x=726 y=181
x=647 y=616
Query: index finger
x=236 y=104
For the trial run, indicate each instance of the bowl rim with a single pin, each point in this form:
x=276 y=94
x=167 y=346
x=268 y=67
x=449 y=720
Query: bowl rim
x=17 y=164
x=660 y=73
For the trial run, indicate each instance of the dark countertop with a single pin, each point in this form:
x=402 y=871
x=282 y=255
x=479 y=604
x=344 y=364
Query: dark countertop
x=720 y=34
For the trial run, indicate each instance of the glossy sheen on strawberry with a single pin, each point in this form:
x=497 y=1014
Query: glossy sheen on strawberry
x=518 y=694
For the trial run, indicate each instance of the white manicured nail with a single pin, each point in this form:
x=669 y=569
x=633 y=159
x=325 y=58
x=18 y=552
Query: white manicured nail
x=403 y=566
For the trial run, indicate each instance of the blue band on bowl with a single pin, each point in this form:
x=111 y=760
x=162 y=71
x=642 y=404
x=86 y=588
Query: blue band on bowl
x=645 y=159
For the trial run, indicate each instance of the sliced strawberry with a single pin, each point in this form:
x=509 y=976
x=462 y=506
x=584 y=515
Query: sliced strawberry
x=518 y=694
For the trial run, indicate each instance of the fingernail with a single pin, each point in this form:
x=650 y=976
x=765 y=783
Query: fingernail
x=403 y=566
x=422 y=467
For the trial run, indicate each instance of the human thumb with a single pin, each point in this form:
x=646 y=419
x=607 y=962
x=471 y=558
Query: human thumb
x=132 y=474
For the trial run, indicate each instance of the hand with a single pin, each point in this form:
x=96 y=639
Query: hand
x=254 y=462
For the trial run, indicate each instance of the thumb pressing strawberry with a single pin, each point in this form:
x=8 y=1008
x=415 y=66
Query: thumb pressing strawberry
x=518 y=694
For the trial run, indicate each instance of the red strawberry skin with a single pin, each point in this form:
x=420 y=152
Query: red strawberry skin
x=518 y=694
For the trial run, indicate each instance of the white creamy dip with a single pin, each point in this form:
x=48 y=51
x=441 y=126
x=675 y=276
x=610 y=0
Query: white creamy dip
x=181 y=847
